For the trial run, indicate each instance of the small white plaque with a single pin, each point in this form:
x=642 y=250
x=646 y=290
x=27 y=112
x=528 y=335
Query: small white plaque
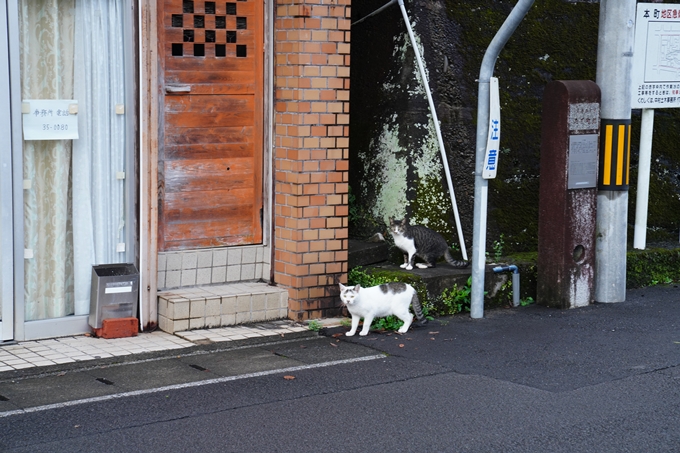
x=493 y=141
x=51 y=119
x=118 y=289
x=582 y=161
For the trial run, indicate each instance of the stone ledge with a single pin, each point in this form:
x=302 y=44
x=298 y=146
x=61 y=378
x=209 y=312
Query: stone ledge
x=221 y=305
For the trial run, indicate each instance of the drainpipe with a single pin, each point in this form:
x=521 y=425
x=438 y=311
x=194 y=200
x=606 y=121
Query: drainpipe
x=482 y=185
x=445 y=162
x=515 y=281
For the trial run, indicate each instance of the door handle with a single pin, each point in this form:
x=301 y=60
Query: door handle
x=177 y=89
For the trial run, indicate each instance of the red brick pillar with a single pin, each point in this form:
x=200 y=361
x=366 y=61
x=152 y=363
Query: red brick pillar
x=311 y=153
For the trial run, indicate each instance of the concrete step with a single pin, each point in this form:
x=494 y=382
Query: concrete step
x=220 y=305
x=379 y=256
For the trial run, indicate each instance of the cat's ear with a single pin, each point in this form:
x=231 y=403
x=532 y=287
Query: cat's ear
x=342 y=287
x=357 y=288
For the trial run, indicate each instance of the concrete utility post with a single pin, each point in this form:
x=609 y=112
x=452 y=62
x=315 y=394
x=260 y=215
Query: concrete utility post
x=614 y=63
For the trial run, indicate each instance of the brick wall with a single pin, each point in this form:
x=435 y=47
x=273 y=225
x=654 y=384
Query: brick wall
x=311 y=141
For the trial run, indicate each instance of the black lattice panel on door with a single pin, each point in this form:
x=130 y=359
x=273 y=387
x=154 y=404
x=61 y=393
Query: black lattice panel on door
x=209 y=29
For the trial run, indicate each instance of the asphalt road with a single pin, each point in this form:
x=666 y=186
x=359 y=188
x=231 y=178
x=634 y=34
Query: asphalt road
x=604 y=378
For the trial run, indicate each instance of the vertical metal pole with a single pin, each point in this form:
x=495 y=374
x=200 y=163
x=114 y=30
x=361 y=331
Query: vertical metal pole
x=482 y=185
x=644 y=169
x=435 y=120
x=614 y=64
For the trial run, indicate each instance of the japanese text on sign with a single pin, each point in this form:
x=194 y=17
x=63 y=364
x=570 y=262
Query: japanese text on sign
x=50 y=119
x=656 y=57
x=493 y=141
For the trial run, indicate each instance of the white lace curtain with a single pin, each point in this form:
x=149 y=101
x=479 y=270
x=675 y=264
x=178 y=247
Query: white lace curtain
x=74 y=208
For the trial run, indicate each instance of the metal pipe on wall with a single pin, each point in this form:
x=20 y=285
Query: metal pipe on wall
x=440 y=140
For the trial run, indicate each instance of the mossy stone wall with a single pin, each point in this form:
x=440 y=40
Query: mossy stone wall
x=395 y=169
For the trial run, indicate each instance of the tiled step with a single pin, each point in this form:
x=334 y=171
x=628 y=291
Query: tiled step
x=223 y=305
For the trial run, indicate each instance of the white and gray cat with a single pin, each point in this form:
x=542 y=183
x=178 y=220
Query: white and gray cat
x=392 y=298
x=420 y=241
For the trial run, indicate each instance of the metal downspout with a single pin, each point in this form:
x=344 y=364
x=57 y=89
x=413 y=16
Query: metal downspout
x=482 y=185
x=435 y=120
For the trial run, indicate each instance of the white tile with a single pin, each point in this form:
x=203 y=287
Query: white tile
x=64 y=360
x=20 y=366
x=13 y=362
x=189 y=260
x=219 y=257
x=174 y=261
x=205 y=259
x=43 y=363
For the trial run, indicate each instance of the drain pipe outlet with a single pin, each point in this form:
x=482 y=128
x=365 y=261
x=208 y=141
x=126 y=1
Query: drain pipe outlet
x=515 y=281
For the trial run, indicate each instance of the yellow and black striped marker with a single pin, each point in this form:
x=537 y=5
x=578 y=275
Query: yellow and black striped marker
x=614 y=170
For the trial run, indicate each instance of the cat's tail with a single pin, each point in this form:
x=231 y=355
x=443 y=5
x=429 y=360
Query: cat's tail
x=418 y=309
x=455 y=263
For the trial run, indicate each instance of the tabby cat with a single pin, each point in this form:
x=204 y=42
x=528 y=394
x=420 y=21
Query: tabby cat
x=420 y=241
x=387 y=299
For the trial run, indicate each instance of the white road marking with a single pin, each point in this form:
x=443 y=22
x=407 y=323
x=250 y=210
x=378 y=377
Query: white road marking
x=187 y=385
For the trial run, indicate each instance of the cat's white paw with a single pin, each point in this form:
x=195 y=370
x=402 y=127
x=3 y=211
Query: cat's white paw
x=422 y=266
x=403 y=265
x=402 y=330
x=409 y=267
x=363 y=333
x=350 y=334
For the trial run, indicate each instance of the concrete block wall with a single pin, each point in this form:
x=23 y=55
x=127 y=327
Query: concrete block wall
x=311 y=151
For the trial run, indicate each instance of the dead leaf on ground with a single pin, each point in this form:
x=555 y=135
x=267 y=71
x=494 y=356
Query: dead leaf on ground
x=288 y=377
x=336 y=335
x=433 y=333
x=333 y=344
x=432 y=338
x=401 y=345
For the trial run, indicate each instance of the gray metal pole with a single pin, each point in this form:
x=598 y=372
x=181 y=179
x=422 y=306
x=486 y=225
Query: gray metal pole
x=482 y=185
x=614 y=64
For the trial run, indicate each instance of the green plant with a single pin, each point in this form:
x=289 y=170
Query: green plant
x=314 y=325
x=498 y=248
x=527 y=301
x=456 y=300
x=358 y=276
x=345 y=322
x=387 y=323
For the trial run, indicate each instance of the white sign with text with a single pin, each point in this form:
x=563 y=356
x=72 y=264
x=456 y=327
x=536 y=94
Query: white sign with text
x=494 y=138
x=655 y=75
x=50 y=119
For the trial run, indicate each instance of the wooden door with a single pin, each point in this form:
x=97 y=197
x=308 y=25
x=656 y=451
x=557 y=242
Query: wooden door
x=211 y=148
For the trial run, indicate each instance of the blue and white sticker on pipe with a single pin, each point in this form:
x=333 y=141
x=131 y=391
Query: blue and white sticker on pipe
x=493 y=141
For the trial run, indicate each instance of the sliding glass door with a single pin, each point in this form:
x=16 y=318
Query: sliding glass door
x=77 y=193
